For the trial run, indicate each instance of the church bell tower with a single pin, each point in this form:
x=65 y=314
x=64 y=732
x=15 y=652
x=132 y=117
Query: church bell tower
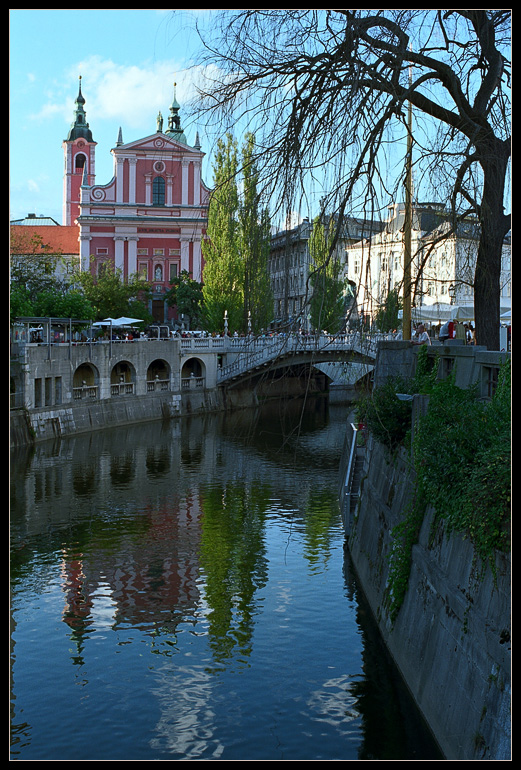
x=79 y=156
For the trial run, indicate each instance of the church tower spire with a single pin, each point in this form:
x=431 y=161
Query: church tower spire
x=174 y=122
x=79 y=151
x=80 y=127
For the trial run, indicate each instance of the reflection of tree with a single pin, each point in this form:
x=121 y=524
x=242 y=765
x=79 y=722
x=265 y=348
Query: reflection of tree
x=233 y=560
x=322 y=513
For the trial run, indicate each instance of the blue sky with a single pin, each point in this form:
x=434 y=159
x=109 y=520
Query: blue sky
x=128 y=61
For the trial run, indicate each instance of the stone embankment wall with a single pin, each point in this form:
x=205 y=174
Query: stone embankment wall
x=451 y=637
x=60 y=421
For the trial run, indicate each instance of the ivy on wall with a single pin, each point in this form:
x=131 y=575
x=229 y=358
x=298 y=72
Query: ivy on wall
x=461 y=457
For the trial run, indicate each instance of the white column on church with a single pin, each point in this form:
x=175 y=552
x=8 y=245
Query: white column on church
x=184 y=192
x=132 y=162
x=119 y=179
x=119 y=252
x=197 y=184
x=185 y=253
x=197 y=276
x=132 y=254
x=148 y=189
x=85 y=253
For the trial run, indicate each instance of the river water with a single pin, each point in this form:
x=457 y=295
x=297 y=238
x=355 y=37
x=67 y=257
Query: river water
x=181 y=591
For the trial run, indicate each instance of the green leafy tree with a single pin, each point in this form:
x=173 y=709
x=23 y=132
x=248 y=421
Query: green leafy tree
x=223 y=286
x=20 y=302
x=109 y=295
x=39 y=285
x=327 y=306
x=187 y=295
x=236 y=278
x=70 y=304
x=254 y=238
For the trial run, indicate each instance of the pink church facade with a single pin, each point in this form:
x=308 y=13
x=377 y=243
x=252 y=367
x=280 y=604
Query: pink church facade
x=151 y=217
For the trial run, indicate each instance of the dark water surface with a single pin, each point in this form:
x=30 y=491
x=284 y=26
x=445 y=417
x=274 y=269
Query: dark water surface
x=181 y=591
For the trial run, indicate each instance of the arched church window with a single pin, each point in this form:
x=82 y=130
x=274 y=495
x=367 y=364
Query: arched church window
x=79 y=161
x=158 y=191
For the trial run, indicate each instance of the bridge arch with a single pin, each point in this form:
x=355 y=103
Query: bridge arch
x=193 y=373
x=122 y=379
x=85 y=381
x=193 y=367
x=159 y=374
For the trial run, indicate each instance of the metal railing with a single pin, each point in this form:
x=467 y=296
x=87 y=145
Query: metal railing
x=261 y=350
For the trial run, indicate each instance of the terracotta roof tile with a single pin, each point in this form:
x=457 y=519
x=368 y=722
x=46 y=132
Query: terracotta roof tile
x=61 y=238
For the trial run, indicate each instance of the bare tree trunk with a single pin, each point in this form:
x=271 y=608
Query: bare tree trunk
x=494 y=226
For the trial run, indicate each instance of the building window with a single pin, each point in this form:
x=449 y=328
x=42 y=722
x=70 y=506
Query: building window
x=143 y=271
x=79 y=162
x=158 y=191
x=173 y=271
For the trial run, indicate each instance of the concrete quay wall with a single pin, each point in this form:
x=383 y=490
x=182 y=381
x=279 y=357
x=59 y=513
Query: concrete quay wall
x=64 y=390
x=451 y=637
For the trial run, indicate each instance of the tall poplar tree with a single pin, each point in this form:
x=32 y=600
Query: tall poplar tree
x=223 y=289
x=235 y=278
x=254 y=244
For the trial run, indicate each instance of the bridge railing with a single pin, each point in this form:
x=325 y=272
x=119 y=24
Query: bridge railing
x=291 y=341
x=254 y=352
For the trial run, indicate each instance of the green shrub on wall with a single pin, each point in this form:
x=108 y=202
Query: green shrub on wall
x=461 y=458
x=387 y=416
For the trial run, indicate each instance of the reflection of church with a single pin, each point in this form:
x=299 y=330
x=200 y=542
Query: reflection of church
x=151 y=216
x=151 y=582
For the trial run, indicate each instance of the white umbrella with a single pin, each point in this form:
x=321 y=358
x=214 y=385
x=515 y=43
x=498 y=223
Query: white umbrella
x=125 y=321
x=436 y=312
x=464 y=312
x=106 y=322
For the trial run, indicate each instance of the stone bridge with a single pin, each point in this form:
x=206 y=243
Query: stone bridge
x=248 y=357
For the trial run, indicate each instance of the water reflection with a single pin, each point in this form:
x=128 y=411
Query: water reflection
x=194 y=569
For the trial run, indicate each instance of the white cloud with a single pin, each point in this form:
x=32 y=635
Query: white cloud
x=130 y=94
x=123 y=94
